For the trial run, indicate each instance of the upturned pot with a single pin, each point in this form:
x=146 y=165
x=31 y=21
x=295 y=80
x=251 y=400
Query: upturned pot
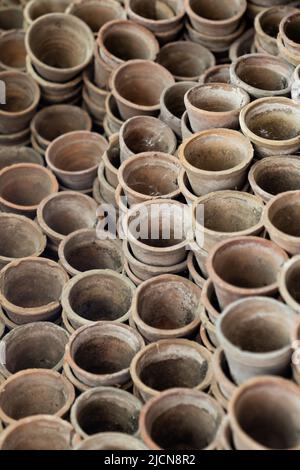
x=101 y=354
x=272 y=125
x=13 y=155
x=195 y=273
x=66 y=33
x=23 y=186
x=104 y=409
x=281 y=221
x=262 y=75
x=216 y=74
x=215 y=105
x=167 y=307
x=145 y=134
x=35 y=392
x=223 y=215
x=39 y=345
x=289 y=285
x=113 y=116
x=38 y=433
x=289 y=32
x=159 y=18
x=256 y=335
x=172 y=105
x=185 y=60
x=22 y=96
x=210 y=301
x=12 y=51
x=20 y=238
x=264 y=413
x=222 y=374
x=242 y=45
x=170 y=364
x=244 y=267
x=97 y=295
x=181 y=419
x=31 y=288
x=216 y=159
x=112 y=161
x=137 y=86
x=111 y=441
x=11 y=17
x=34 y=9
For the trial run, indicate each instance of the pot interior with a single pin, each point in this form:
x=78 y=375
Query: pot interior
x=160 y=10
x=274 y=122
x=19 y=93
x=148 y=135
x=278 y=178
x=215 y=10
x=217 y=98
x=262 y=75
x=127 y=42
x=292 y=281
x=292 y=28
x=44 y=7
x=95 y=14
x=174 y=99
x=13 y=52
x=11 y=18
x=185 y=59
x=56 y=121
x=284 y=215
x=18 y=238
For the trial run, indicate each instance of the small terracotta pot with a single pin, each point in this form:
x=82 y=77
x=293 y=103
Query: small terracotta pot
x=227 y=214
x=97 y=295
x=105 y=409
x=272 y=125
x=34 y=392
x=137 y=86
x=172 y=105
x=101 y=354
x=242 y=45
x=34 y=9
x=288 y=29
x=167 y=307
x=112 y=114
x=289 y=284
x=264 y=415
x=66 y=33
x=23 y=186
x=38 y=433
x=195 y=273
x=281 y=221
x=111 y=160
x=171 y=364
x=222 y=374
x=215 y=19
x=11 y=17
x=106 y=190
x=145 y=134
x=39 y=345
x=159 y=18
x=12 y=51
x=229 y=268
x=210 y=301
x=13 y=155
x=111 y=441
x=216 y=74
x=123 y=40
x=31 y=288
x=185 y=60
x=216 y=159
x=181 y=419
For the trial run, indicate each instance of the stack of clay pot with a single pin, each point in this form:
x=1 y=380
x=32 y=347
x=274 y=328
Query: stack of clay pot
x=288 y=41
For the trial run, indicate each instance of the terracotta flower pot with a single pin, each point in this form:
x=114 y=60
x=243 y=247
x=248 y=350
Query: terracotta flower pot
x=101 y=354
x=104 y=409
x=264 y=413
x=23 y=186
x=22 y=96
x=216 y=159
x=145 y=134
x=181 y=419
x=31 y=288
x=185 y=60
x=222 y=374
x=137 y=86
x=34 y=9
x=35 y=392
x=111 y=441
x=160 y=17
x=285 y=53
x=12 y=51
x=216 y=74
x=171 y=364
x=215 y=105
x=288 y=29
x=106 y=190
x=112 y=114
x=11 y=17
x=13 y=155
x=172 y=105
x=66 y=33
x=242 y=45
x=167 y=307
x=229 y=268
x=112 y=161
x=39 y=345
x=272 y=125
x=195 y=272
x=210 y=301
x=38 y=433
x=227 y=214
x=289 y=284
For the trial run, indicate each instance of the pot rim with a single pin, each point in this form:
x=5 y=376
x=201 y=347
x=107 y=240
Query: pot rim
x=284 y=291
x=44 y=84
x=152 y=22
x=206 y=21
x=109 y=112
x=182 y=186
x=216 y=39
x=104 y=183
x=282 y=26
x=131 y=275
x=286 y=53
x=265 y=13
x=269 y=224
x=205 y=299
x=219 y=374
x=35 y=90
x=197 y=278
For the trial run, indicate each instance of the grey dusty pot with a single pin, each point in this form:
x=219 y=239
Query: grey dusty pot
x=172 y=105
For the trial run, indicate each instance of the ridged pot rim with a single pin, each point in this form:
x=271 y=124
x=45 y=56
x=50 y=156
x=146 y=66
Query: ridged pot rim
x=109 y=112
x=216 y=39
x=168 y=23
x=43 y=83
x=282 y=32
x=283 y=289
x=90 y=84
x=8 y=74
x=206 y=21
x=268 y=222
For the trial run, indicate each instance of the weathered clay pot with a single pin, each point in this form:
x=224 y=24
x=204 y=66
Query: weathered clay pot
x=66 y=33
x=222 y=374
x=264 y=414
x=185 y=60
x=289 y=32
x=262 y=75
x=34 y=9
x=111 y=441
x=210 y=301
x=181 y=419
x=23 y=186
x=38 y=433
x=172 y=105
x=167 y=307
x=93 y=92
x=216 y=159
x=210 y=329
x=171 y=364
x=112 y=114
x=137 y=86
x=34 y=392
x=96 y=13
x=31 y=289
x=256 y=335
x=95 y=111
x=106 y=190
x=186 y=130
x=245 y=267
x=281 y=221
x=11 y=17
x=12 y=155
x=242 y=45
x=97 y=295
x=272 y=125
x=111 y=160
x=289 y=284
x=20 y=237
x=158 y=17
x=227 y=214
x=216 y=74
x=195 y=272
x=201 y=258
x=215 y=19
x=145 y=134
x=22 y=96
x=12 y=51
x=54 y=121
x=123 y=40
x=102 y=70
x=136 y=281
x=105 y=409
x=185 y=187
x=101 y=354
x=215 y=105
x=285 y=53
x=39 y=345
